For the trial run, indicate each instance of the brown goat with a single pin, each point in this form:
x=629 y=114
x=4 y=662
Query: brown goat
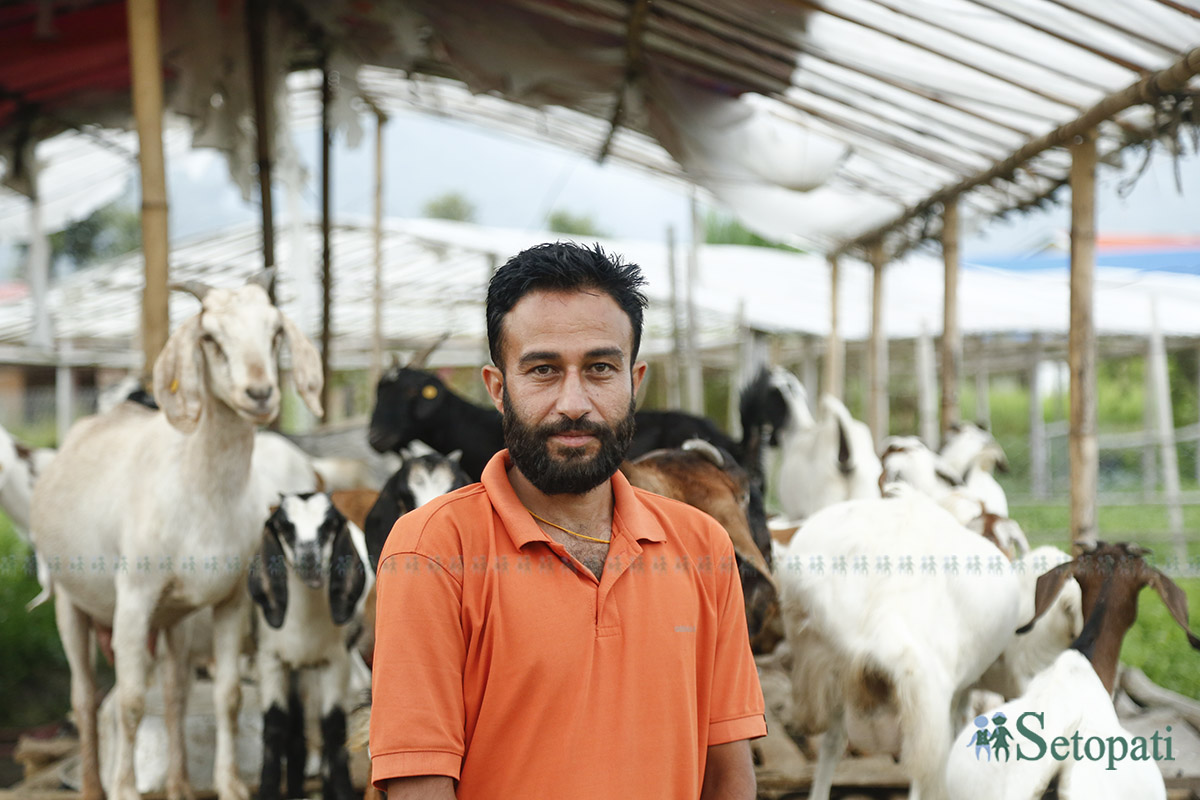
x=1110 y=577
x=701 y=476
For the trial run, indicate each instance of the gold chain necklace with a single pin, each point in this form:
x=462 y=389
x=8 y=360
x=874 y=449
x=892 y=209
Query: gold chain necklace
x=566 y=530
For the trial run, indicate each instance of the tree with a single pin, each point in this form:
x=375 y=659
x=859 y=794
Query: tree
x=561 y=221
x=720 y=229
x=451 y=205
x=109 y=231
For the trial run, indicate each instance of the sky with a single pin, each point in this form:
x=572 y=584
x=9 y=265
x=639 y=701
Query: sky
x=516 y=184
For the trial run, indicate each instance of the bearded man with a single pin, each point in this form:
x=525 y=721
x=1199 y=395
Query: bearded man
x=552 y=632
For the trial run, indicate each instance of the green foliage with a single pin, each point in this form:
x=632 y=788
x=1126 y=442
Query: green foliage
x=451 y=205
x=1156 y=644
x=561 y=221
x=722 y=229
x=109 y=231
x=34 y=680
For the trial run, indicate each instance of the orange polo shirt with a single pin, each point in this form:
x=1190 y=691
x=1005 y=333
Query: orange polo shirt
x=502 y=662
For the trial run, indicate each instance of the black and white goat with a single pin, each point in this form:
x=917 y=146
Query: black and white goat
x=412 y=404
x=419 y=480
x=309 y=583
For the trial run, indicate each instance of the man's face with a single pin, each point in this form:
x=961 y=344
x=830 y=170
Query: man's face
x=567 y=389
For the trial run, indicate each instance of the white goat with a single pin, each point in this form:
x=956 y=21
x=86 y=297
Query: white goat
x=824 y=460
x=973 y=455
x=1068 y=706
x=310 y=581
x=156 y=514
x=19 y=469
x=1029 y=653
x=892 y=603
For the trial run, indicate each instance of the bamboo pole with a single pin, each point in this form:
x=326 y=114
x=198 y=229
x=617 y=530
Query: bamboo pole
x=145 y=66
x=834 y=356
x=1037 y=421
x=326 y=246
x=927 y=389
x=951 y=338
x=1081 y=355
x=377 y=310
x=877 y=410
x=256 y=37
x=808 y=367
x=678 y=348
x=693 y=371
x=39 y=271
x=1165 y=430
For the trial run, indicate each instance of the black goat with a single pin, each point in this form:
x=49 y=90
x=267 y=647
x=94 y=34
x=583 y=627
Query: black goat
x=419 y=479
x=414 y=404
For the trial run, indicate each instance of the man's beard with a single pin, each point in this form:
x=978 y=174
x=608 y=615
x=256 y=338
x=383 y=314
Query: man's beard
x=573 y=471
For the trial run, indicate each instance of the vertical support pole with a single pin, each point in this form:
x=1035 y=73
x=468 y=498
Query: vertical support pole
x=326 y=246
x=1166 y=435
x=1081 y=351
x=256 y=39
x=39 y=270
x=377 y=310
x=694 y=373
x=1149 y=439
x=809 y=368
x=877 y=356
x=983 y=384
x=675 y=372
x=835 y=359
x=927 y=389
x=64 y=393
x=743 y=368
x=951 y=336
x=1037 y=422
x=145 y=65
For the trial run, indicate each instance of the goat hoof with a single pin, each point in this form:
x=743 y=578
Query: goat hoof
x=180 y=790
x=232 y=789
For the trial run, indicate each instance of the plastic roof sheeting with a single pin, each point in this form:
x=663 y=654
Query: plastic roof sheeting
x=818 y=122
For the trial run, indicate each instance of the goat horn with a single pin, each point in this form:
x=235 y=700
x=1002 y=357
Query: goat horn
x=418 y=361
x=195 y=288
x=264 y=278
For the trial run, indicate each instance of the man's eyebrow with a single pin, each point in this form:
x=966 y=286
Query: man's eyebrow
x=539 y=355
x=615 y=353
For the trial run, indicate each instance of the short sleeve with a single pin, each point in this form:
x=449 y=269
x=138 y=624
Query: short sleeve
x=737 y=704
x=417 y=713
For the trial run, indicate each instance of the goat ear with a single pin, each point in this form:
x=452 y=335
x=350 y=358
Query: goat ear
x=1175 y=600
x=347 y=577
x=306 y=365
x=268 y=580
x=1049 y=585
x=179 y=377
x=845 y=458
x=455 y=457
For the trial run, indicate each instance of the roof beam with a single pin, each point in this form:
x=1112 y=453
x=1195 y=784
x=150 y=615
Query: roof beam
x=1121 y=29
x=633 y=68
x=1096 y=51
x=1145 y=90
x=1181 y=8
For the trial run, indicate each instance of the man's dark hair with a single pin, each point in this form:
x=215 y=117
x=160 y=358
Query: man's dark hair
x=563 y=266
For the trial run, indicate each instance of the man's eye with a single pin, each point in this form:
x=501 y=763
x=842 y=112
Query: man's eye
x=542 y=369
x=603 y=368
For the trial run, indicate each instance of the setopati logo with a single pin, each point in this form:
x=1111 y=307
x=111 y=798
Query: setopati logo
x=997 y=743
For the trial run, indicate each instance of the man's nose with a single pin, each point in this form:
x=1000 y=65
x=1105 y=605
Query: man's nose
x=573 y=401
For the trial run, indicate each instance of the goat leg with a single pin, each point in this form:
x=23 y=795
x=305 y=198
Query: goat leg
x=335 y=678
x=272 y=683
x=296 y=747
x=833 y=745
x=131 y=626
x=174 y=670
x=228 y=617
x=75 y=631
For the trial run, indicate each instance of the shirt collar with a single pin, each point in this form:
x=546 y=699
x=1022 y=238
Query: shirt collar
x=630 y=515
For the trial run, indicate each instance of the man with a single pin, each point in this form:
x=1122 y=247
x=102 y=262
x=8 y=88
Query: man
x=552 y=632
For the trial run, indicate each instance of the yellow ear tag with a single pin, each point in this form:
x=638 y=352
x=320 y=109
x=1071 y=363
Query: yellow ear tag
x=429 y=392
x=174 y=385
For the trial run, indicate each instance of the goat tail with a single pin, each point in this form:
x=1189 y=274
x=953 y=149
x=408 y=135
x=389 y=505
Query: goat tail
x=43 y=576
x=924 y=704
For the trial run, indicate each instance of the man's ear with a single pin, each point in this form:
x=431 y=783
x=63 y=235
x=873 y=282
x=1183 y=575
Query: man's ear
x=639 y=374
x=493 y=381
